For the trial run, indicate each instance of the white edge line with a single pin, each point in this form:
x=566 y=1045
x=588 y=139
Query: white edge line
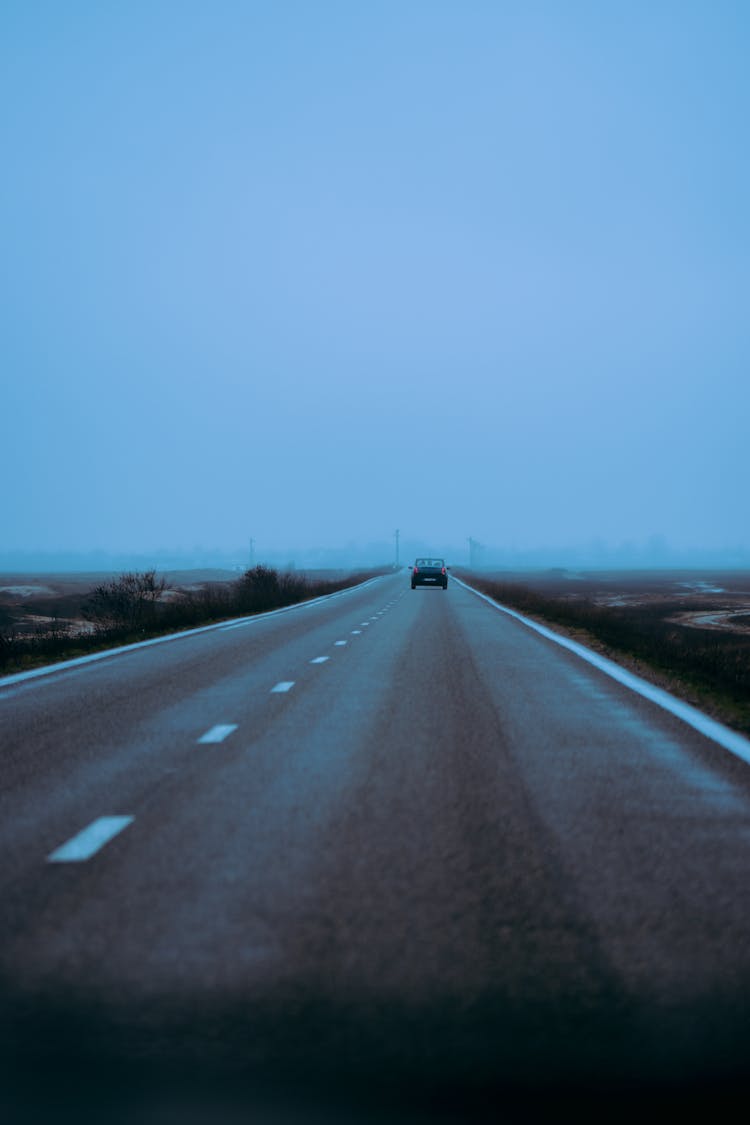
x=64 y=665
x=731 y=740
x=90 y=840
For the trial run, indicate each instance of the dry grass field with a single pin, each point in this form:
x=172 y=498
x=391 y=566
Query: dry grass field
x=687 y=631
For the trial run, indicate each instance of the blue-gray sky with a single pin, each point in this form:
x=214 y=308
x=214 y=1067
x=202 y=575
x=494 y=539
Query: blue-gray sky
x=312 y=271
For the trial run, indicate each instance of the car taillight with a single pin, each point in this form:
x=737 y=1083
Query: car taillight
x=443 y=571
x=416 y=570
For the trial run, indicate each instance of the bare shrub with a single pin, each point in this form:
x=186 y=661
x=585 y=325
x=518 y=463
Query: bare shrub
x=258 y=589
x=127 y=603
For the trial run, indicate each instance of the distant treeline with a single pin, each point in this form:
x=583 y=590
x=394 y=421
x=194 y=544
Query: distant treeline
x=709 y=668
x=139 y=605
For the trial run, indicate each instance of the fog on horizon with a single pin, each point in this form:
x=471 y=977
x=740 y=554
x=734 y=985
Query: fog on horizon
x=304 y=274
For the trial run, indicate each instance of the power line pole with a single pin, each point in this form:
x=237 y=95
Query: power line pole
x=252 y=553
x=396 y=533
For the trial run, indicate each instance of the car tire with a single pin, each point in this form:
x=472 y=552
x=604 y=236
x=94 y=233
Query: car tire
x=413 y=585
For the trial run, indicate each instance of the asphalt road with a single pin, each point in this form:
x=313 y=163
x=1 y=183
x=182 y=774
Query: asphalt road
x=391 y=856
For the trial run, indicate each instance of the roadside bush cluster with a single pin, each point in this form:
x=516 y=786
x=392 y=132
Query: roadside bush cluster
x=129 y=602
x=139 y=605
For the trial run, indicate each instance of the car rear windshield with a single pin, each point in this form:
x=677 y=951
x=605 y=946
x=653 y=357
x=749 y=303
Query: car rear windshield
x=429 y=562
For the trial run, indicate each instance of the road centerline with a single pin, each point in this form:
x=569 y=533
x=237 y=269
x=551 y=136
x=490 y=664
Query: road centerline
x=218 y=733
x=90 y=840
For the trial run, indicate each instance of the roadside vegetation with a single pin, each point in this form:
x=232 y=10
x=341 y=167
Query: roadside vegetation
x=137 y=606
x=689 y=633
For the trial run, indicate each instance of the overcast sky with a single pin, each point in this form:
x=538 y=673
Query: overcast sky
x=308 y=272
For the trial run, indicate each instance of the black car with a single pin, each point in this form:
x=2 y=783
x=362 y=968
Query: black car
x=429 y=572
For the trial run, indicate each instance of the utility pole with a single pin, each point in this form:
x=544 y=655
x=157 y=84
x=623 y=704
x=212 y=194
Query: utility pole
x=396 y=533
x=252 y=553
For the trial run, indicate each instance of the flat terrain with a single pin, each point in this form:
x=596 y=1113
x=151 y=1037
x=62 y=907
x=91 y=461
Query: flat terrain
x=386 y=857
x=29 y=602
x=42 y=606
x=705 y=598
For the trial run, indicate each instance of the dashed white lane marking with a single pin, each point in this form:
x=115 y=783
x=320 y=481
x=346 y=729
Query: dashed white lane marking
x=284 y=685
x=356 y=632
x=364 y=624
x=218 y=733
x=89 y=841
x=339 y=642
x=319 y=660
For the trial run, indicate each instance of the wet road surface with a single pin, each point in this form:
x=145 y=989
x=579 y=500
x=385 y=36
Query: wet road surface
x=389 y=857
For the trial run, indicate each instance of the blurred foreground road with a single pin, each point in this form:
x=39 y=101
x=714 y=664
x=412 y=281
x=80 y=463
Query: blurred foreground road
x=389 y=857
